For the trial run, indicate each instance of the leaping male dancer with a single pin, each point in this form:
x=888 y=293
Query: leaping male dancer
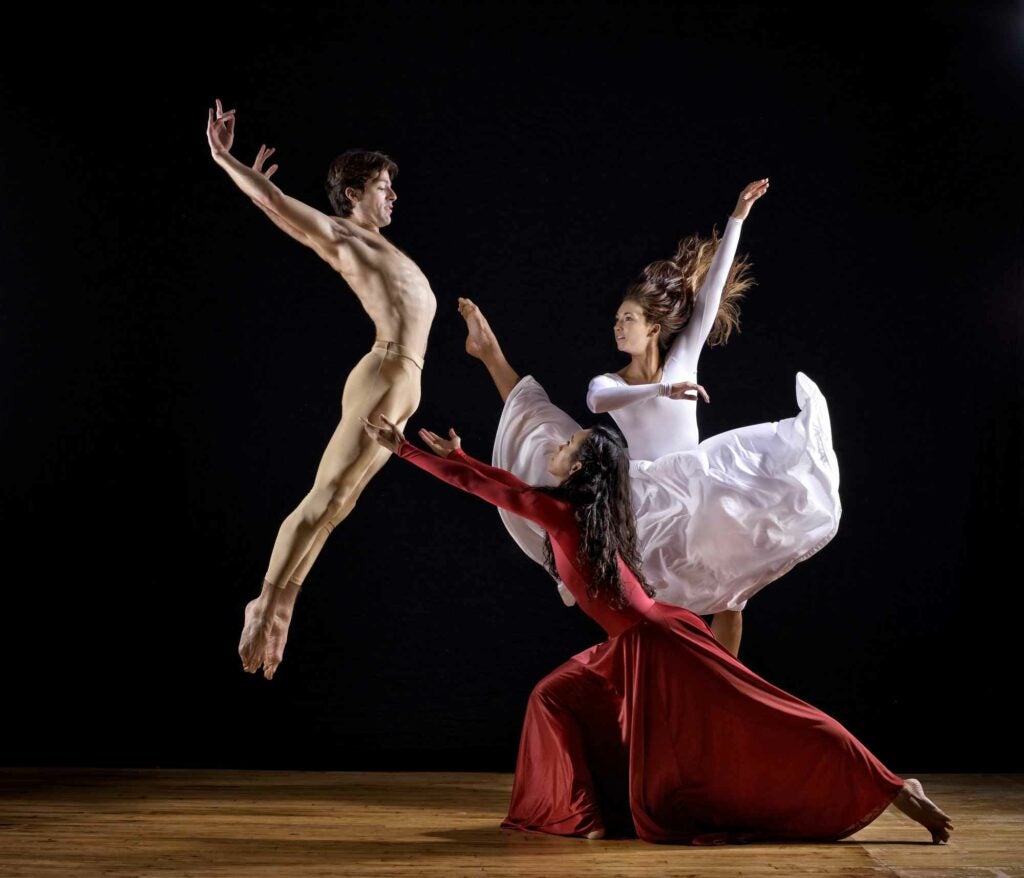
x=398 y=299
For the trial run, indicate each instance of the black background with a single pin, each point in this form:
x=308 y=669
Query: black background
x=171 y=364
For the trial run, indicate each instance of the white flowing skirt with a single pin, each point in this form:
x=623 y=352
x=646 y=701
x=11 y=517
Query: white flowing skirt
x=717 y=523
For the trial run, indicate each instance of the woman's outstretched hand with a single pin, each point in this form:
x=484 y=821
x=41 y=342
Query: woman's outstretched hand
x=387 y=434
x=687 y=390
x=748 y=196
x=441 y=447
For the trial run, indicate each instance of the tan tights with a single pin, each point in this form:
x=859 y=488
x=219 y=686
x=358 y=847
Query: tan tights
x=386 y=381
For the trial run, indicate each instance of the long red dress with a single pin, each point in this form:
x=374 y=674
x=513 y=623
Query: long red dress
x=659 y=730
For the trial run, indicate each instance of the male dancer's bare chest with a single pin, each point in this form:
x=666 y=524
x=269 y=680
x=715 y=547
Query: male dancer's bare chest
x=397 y=297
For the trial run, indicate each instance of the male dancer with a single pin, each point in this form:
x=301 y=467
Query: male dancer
x=386 y=381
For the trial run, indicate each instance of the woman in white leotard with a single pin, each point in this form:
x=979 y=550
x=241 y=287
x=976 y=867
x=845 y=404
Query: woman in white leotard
x=663 y=323
x=667 y=313
x=718 y=519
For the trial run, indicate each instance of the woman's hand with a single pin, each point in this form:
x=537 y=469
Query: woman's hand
x=387 y=434
x=747 y=198
x=687 y=390
x=441 y=447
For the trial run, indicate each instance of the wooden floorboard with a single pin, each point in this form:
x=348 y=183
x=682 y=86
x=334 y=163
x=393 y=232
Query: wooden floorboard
x=60 y=822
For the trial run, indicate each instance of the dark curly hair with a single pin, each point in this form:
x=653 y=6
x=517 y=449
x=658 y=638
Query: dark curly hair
x=599 y=493
x=353 y=168
x=667 y=289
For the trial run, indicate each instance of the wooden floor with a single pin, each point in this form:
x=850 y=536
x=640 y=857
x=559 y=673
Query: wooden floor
x=232 y=823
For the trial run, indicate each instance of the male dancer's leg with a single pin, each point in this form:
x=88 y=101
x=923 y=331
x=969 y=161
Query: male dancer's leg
x=381 y=383
x=306 y=564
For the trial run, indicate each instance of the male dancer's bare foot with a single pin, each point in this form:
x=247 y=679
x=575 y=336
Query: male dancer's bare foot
x=265 y=631
x=912 y=801
x=481 y=341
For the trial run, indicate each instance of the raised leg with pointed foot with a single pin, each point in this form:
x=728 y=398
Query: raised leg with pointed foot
x=482 y=343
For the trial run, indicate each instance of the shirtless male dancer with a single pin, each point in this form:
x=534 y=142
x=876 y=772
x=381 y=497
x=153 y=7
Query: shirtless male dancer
x=398 y=299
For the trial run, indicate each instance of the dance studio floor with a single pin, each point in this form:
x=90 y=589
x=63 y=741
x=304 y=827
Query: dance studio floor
x=246 y=823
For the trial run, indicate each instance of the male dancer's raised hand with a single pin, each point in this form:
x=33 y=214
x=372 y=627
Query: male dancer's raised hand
x=220 y=129
x=261 y=157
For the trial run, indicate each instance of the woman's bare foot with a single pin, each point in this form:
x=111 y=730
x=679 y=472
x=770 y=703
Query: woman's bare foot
x=595 y=834
x=480 y=342
x=265 y=630
x=483 y=344
x=912 y=801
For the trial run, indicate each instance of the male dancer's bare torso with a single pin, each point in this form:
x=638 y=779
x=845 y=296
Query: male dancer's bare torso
x=393 y=291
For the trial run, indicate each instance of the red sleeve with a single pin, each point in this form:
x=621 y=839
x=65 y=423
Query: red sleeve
x=496 y=473
x=506 y=492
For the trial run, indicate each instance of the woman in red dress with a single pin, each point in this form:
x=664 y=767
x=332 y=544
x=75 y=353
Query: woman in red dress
x=659 y=731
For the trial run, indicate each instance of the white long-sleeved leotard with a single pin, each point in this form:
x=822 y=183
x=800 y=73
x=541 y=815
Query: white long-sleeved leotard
x=654 y=424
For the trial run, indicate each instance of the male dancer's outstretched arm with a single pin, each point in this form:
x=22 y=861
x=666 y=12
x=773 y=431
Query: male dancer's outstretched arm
x=286 y=227
x=398 y=300
x=321 y=230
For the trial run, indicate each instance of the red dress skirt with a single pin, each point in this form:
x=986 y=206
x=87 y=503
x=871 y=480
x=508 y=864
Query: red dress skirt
x=659 y=732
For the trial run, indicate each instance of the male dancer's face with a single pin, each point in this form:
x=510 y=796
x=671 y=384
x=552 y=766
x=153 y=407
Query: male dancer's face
x=632 y=331
x=374 y=204
x=562 y=462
